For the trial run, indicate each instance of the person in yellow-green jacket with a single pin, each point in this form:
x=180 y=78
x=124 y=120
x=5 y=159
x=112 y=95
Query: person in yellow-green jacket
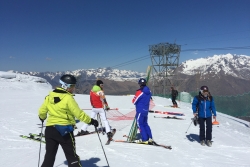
x=62 y=109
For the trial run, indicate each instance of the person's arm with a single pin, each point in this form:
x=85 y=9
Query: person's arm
x=105 y=103
x=194 y=105
x=77 y=112
x=213 y=108
x=137 y=96
x=43 y=110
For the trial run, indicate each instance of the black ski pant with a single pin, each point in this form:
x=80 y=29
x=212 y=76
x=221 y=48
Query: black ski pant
x=173 y=100
x=53 y=139
x=208 y=130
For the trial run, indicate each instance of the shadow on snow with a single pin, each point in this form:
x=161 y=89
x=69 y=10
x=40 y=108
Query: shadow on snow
x=193 y=137
x=89 y=163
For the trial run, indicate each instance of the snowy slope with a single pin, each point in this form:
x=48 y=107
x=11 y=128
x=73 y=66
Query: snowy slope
x=20 y=100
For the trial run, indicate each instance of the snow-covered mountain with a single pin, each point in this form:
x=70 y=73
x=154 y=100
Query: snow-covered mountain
x=226 y=74
x=235 y=65
x=93 y=74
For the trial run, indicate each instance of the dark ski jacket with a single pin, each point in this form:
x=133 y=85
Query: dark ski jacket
x=141 y=99
x=174 y=93
x=205 y=106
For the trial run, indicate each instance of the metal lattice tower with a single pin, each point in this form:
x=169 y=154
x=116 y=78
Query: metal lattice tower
x=165 y=59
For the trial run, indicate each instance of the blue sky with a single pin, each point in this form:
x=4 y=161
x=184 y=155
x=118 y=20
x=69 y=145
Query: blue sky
x=60 y=35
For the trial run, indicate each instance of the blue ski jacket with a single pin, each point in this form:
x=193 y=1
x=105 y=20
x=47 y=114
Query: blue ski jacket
x=205 y=106
x=141 y=100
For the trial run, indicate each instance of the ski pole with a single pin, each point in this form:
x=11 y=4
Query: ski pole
x=40 y=144
x=102 y=147
x=189 y=126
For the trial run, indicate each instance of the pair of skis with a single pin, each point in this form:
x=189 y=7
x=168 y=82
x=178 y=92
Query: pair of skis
x=109 y=139
x=168 y=117
x=34 y=137
x=153 y=144
x=172 y=106
x=142 y=143
x=166 y=112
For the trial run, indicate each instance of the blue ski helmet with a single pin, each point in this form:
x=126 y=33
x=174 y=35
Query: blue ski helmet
x=142 y=82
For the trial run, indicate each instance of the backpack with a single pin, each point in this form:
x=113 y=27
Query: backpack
x=175 y=93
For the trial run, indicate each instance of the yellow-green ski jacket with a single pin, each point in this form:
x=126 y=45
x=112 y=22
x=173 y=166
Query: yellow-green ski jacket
x=62 y=109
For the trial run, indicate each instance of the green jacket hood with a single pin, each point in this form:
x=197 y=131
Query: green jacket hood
x=96 y=88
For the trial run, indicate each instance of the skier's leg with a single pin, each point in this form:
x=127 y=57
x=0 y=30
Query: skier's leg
x=172 y=100
x=141 y=126
x=68 y=146
x=85 y=126
x=209 y=128
x=202 y=128
x=147 y=128
x=104 y=119
x=51 y=146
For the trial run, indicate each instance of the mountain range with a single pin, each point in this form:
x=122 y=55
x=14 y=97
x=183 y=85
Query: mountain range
x=226 y=74
x=223 y=74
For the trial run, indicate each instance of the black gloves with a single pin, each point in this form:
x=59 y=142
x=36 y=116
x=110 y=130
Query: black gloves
x=41 y=120
x=94 y=122
x=195 y=120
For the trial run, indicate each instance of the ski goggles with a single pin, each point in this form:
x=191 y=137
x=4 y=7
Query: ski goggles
x=204 y=91
x=65 y=85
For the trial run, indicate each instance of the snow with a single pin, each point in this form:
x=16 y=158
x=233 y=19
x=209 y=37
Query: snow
x=22 y=95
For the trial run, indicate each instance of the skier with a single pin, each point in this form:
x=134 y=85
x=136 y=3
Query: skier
x=204 y=105
x=174 y=94
x=98 y=102
x=62 y=110
x=141 y=101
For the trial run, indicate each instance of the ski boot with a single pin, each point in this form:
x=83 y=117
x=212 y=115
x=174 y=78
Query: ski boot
x=203 y=142
x=209 y=143
x=82 y=132
x=110 y=135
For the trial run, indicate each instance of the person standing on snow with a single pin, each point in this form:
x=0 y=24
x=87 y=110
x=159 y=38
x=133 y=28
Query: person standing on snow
x=204 y=105
x=98 y=102
x=141 y=101
x=174 y=94
x=62 y=110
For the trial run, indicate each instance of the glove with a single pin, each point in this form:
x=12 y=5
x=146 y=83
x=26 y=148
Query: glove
x=41 y=119
x=195 y=120
x=94 y=122
x=107 y=108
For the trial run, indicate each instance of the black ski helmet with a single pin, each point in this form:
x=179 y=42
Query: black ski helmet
x=68 y=79
x=99 y=82
x=204 y=88
x=142 y=82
